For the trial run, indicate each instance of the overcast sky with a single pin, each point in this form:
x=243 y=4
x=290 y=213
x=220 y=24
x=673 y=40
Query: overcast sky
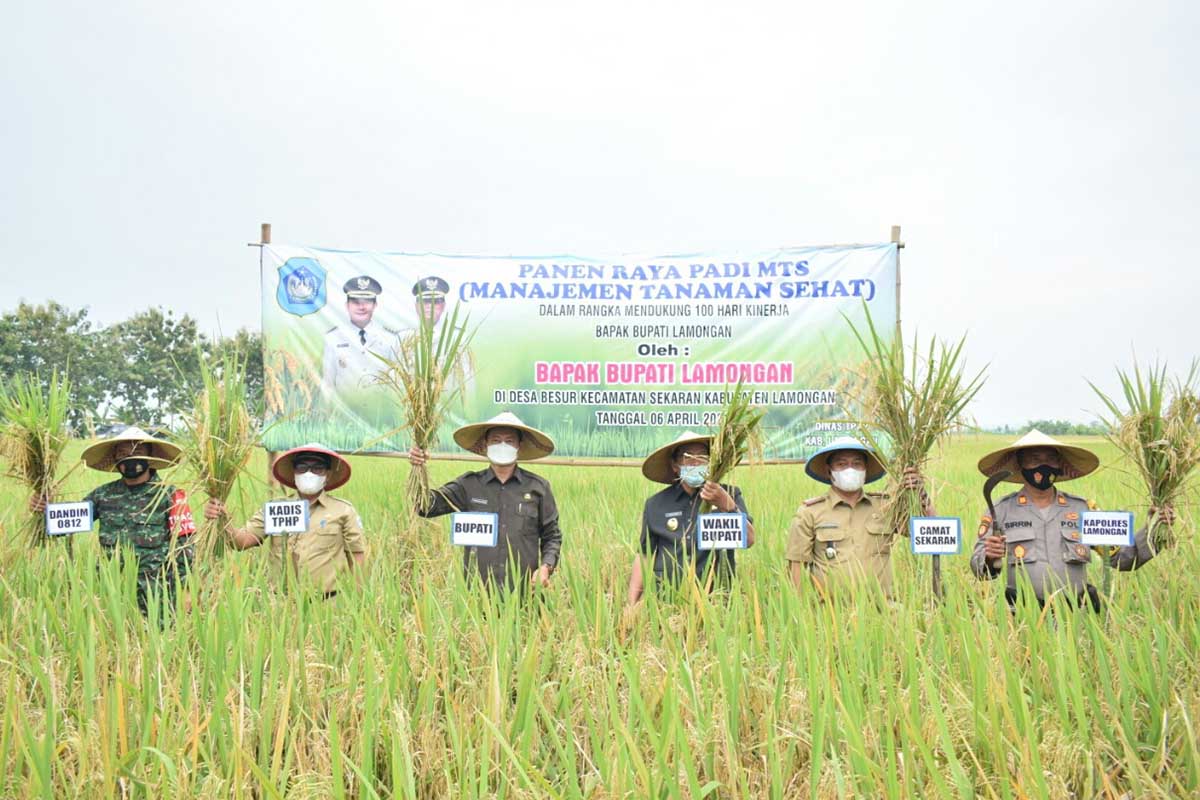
x=1042 y=158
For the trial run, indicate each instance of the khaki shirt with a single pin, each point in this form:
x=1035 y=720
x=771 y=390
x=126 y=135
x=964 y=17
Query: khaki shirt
x=1044 y=549
x=323 y=552
x=840 y=543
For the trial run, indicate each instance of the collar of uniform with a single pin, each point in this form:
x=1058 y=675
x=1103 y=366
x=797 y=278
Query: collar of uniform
x=490 y=475
x=137 y=487
x=319 y=500
x=681 y=493
x=1058 y=500
x=835 y=498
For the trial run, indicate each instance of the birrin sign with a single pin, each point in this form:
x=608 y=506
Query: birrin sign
x=284 y=517
x=935 y=536
x=67 y=518
x=721 y=531
x=474 y=529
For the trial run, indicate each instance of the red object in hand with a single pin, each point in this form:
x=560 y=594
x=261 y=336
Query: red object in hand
x=180 y=516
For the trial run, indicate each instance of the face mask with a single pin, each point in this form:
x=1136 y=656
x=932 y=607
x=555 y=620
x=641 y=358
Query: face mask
x=1041 y=477
x=133 y=467
x=694 y=475
x=501 y=454
x=849 y=479
x=308 y=483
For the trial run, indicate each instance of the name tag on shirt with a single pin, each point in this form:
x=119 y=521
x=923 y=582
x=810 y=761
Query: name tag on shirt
x=1106 y=528
x=67 y=518
x=285 y=517
x=474 y=529
x=721 y=531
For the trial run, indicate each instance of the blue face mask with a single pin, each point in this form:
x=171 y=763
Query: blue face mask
x=694 y=475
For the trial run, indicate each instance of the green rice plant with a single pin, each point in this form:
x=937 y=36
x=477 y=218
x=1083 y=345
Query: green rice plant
x=1157 y=429
x=908 y=400
x=736 y=438
x=410 y=684
x=426 y=374
x=33 y=434
x=220 y=439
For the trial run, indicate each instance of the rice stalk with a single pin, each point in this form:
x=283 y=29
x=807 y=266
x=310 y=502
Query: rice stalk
x=33 y=434
x=1158 y=430
x=428 y=371
x=736 y=438
x=908 y=400
x=221 y=436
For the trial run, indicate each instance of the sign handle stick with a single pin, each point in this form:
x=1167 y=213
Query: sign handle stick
x=286 y=556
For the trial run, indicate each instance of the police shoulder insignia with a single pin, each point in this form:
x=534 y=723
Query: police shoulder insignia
x=1091 y=505
x=812 y=501
x=1062 y=499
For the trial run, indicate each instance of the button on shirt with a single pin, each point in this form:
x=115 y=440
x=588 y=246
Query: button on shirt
x=840 y=542
x=324 y=551
x=669 y=534
x=527 y=514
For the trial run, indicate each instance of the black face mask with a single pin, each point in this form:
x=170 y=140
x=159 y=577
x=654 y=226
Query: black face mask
x=1041 y=477
x=133 y=467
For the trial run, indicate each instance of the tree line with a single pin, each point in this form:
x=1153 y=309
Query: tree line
x=144 y=370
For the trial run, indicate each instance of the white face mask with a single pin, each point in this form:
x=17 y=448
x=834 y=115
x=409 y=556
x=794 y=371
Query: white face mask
x=849 y=479
x=308 y=483
x=501 y=454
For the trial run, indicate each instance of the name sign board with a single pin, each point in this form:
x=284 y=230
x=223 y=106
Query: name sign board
x=1106 y=528
x=935 y=536
x=283 y=517
x=721 y=531
x=474 y=529
x=67 y=518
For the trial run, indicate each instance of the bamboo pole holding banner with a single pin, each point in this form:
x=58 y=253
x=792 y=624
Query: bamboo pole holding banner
x=937 y=560
x=264 y=239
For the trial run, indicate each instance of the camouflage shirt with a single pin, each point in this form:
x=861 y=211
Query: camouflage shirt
x=142 y=517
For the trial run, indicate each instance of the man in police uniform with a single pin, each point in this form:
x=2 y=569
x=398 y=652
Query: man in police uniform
x=528 y=515
x=668 y=537
x=349 y=363
x=841 y=537
x=139 y=515
x=1036 y=530
x=333 y=545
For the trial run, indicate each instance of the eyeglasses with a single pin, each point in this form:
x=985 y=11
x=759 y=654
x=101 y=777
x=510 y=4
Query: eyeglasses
x=315 y=469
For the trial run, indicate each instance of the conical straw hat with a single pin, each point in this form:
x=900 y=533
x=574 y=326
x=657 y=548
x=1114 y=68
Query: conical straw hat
x=1077 y=461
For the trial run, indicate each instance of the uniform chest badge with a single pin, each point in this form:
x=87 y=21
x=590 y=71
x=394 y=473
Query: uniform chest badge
x=830 y=551
x=528 y=496
x=1081 y=551
x=1019 y=551
x=1074 y=535
x=673 y=524
x=342 y=363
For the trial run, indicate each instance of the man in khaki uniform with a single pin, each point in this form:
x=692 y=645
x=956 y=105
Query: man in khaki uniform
x=333 y=544
x=1036 y=529
x=842 y=536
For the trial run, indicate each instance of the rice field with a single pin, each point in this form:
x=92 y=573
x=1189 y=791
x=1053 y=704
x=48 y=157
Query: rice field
x=408 y=685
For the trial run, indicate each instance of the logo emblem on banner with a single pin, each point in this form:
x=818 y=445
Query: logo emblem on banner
x=301 y=286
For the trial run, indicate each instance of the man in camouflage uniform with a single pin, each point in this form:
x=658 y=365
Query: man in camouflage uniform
x=1036 y=530
x=139 y=515
x=841 y=537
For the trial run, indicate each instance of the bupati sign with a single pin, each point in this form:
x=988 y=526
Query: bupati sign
x=610 y=355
